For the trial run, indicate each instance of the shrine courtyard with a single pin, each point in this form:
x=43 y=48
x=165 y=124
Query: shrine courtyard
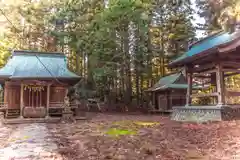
x=121 y=137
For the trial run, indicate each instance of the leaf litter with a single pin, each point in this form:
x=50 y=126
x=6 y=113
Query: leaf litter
x=140 y=137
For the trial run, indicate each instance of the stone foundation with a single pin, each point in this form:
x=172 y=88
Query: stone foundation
x=205 y=113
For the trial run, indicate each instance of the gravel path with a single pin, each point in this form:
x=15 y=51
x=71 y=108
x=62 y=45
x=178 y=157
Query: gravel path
x=30 y=142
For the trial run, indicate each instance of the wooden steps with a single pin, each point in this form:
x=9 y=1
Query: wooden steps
x=12 y=113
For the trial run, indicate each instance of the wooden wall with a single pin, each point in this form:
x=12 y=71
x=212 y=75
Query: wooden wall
x=12 y=95
x=167 y=99
x=57 y=93
x=178 y=97
x=12 y=91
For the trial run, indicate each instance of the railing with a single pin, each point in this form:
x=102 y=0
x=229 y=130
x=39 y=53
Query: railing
x=3 y=105
x=95 y=103
x=57 y=105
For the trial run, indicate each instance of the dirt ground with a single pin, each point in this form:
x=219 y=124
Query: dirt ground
x=164 y=140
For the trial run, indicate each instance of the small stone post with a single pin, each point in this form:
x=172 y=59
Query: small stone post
x=67 y=115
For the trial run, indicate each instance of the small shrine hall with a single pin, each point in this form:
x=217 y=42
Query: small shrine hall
x=34 y=84
x=169 y=91
x=213 y=60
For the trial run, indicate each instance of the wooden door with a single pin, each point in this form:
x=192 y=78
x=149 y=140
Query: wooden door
x=162 y=102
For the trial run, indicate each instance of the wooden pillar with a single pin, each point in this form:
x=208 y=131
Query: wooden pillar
x=220 y=85
x=21 y=100
x=32 y=99
x=40 y=98
x=154 y=99
x=170 y=99
x=48 y=99
x=189 y=89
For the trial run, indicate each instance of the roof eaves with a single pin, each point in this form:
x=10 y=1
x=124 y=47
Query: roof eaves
x=28 y=52
x=178 y=62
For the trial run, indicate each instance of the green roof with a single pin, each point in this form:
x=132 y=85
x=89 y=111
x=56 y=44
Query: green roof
x=171 y=81
x=30 y=64
x=207 y=43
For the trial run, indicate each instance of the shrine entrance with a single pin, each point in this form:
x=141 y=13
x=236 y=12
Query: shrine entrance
x=35 y=99
x=35 y=95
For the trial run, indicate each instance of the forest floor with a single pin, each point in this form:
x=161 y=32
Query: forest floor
x=121 y=137
x=146 y=137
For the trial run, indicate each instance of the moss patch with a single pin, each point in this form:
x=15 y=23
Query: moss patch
x=115 y=132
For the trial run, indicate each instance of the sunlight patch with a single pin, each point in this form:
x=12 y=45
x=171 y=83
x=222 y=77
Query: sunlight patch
x=120 y=132
x=146 y=123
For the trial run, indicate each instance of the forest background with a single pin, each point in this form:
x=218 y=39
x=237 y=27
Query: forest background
x=119 y=47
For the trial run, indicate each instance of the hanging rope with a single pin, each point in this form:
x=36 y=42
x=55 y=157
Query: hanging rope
x=50 y=71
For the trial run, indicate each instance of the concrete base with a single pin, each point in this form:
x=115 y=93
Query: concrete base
x=205 y=113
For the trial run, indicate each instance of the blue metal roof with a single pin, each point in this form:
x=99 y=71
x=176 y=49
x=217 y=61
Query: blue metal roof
x=208 y=43
x=26 y=64
x=170 y=82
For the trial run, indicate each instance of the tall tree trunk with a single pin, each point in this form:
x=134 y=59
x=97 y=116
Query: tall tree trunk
x=127 y=76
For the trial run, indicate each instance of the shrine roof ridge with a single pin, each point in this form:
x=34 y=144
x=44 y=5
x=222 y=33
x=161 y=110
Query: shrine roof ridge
x=33 y=53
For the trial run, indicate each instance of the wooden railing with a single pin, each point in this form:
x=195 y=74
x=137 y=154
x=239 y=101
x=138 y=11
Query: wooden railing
x=204 y=95
x=57 y=105
x=3 y=106
x=95 y=103
x=232 y=93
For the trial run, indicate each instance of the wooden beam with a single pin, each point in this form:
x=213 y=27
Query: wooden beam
x=21 y=100
x=220 y=84
x=232 y=93
x=208 y=71
x=48 y=100
x=204 y=67
x=199 y=75
x=231 y=74
x=204 y=95
x=189 y=89
x=231 y=64
x=233 y=56
x=40 y=98
x=230 y=70
x=153 y=98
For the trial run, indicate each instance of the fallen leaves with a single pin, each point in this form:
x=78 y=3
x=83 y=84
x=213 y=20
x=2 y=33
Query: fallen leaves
x=143 y=138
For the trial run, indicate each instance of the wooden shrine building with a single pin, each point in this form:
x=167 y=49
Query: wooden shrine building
x=169 y=91
x=35 y=84
x=214 y=59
